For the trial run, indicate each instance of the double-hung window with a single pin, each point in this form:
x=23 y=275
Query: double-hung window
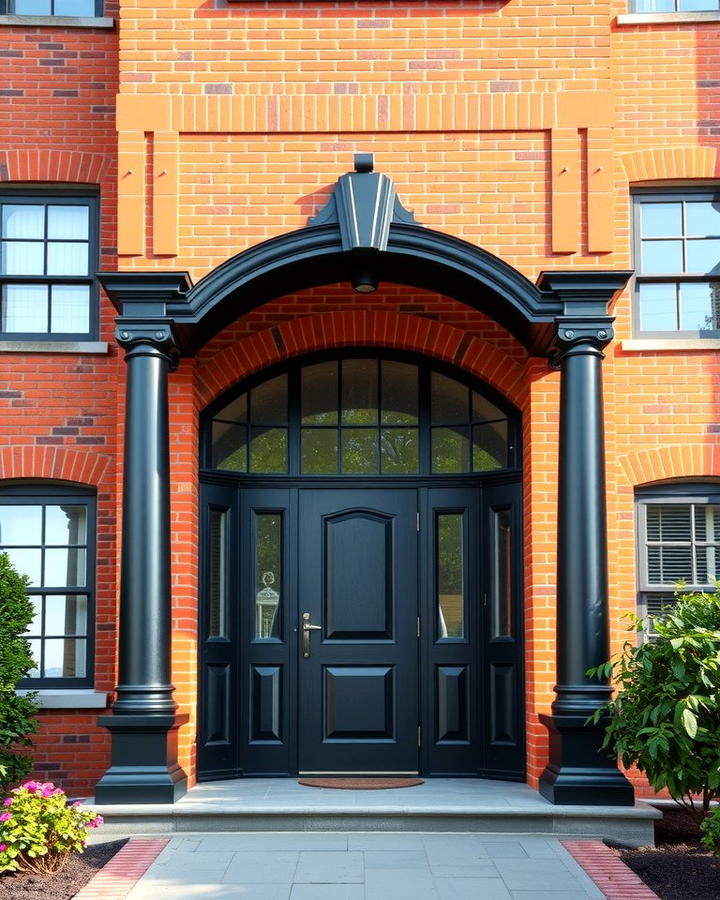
x=78 y=8
x=48 y=258
x=665 y=6
x=49 y=535
x=679 y=542
x=677 y=263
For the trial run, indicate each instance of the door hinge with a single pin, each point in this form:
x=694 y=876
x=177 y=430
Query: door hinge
x=419 y=736
x=418 y=626
x=417 y=521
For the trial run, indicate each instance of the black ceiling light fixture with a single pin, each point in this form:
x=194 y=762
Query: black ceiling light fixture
x=364 y=282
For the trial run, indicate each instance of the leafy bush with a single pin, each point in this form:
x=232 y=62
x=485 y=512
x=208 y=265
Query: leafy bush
x=17 y=714
x=39 y=830
x=665 y=718
x=711 y=832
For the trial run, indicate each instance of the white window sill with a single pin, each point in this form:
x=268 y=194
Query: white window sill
x=68 y=698
x=58 y=21
x=671 y=345
x=96 y=347
x=672 y=18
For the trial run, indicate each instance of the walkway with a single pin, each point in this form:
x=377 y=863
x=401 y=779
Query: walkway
x=363 y=866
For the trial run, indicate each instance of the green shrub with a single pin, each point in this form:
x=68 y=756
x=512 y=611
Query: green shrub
x=39 y=830
x=665 y=718
x=711 y=832
x=17 y=714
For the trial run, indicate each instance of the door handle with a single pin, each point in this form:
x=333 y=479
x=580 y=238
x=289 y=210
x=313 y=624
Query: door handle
x=306 y=629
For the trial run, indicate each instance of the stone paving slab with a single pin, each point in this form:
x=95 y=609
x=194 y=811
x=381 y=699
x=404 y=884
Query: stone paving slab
x=334 y=866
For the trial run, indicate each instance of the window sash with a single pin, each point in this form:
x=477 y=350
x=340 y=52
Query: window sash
x=77 y=646
x=59 y=8
x=665 y=6
x=51 y=296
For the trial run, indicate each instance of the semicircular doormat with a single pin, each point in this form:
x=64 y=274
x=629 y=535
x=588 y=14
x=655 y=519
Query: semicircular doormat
x=360 y=784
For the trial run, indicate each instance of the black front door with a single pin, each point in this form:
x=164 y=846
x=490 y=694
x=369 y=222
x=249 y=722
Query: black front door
x=358 y=686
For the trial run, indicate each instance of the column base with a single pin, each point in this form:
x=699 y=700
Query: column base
x=580 y=773
x=144 y=766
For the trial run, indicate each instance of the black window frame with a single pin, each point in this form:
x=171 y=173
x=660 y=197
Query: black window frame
x=646 y=195
x=7 y=7
x=652 y=598
x=53 y=196
x=55 y=495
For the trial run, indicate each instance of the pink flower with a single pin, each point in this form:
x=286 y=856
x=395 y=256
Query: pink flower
x=3 y=847
x=96 y=822
x=5 y=816
x=46 y=791
x=7 y=801
x=77 y=803
x=31 y=786
x=58 y=791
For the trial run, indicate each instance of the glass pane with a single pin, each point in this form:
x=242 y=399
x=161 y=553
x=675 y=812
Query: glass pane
x=70 y=309
x=75 y=8
x=698 y=5
x=65 y=524
x=661 y=219
x=20 y=525
x=319 y=451
x=399 y=453
x=67 y=258
x=706 y=564
x=23 y=220
x=360 y=450
x=671 y=522
x=490 y=446
x=658 y=307
x=450 y=401
x=268 y=450
x=68 y=223
x=65 y=614
x=702 y=218
x=35 y=627
x=217 y=537
x=399 y=391
x=360 y=391
x=319 y=392
x=35 y=651
x=703 y=255
x=31 y=7
x=483 y=410
x=450 y=450
x=450 y=582
x=22 y=258
x=699 y=306
x=235 y=411
x=653 y=6
x=668 y=565
x=660 y=257
x=229 y=447
x=64 y=567
x=269 y=403
x=268 y=575
x=501 y=606
x=64 y=658
x=24 y=308
x=27 y=562
x=706 y=522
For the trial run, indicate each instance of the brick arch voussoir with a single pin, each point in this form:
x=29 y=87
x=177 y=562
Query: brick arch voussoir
x=656 y=163
x=50 y=165
x=56 y=463
x=362 y=328
x=676 y=461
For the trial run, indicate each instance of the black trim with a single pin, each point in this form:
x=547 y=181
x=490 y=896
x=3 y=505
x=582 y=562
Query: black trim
x=60 y=196
x=56 y=494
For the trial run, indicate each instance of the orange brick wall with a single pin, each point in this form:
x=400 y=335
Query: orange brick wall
x=519 y=126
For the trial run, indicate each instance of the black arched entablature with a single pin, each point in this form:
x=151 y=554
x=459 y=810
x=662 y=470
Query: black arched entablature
x=415 y=256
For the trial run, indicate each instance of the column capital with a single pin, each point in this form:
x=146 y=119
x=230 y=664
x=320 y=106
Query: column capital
x=572 y=332
x=138 y=335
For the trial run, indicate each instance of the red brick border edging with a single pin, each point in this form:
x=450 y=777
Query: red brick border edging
x=117 y=877
x=608 y=871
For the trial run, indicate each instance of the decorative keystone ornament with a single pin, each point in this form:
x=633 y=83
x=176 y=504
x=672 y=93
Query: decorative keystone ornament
x=364 y=204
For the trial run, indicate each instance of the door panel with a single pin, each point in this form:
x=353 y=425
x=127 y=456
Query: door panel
x=358 y=583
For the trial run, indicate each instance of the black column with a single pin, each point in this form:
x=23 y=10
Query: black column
x=144 y=726
x=579 y=771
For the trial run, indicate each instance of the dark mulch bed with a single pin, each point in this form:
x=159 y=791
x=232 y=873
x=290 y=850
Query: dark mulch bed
x=678 y=867
x=64 y=885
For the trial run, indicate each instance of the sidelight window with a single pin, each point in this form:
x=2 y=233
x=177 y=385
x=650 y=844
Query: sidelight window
x=358 y=417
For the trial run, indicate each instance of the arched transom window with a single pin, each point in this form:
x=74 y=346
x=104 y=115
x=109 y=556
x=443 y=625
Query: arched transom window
x=361 y=416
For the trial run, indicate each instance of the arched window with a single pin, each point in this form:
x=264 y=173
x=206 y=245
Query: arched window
x=361 y=416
